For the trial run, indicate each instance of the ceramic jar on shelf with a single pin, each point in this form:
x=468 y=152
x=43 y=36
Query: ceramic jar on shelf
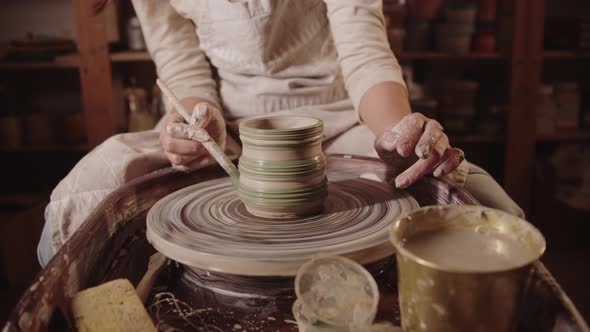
x=425 y=9
x=461 y=12
x=458 y=105
x=455 y=35
x=10 y=130
x=282 y=167
x=493 y=121
x=487 y=10
x=546 y=110
x=567 y=99
x=418 y=35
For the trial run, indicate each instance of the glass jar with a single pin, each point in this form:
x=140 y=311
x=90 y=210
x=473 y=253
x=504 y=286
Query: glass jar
x=135 y=40
x=546 y=110
x=568 y=104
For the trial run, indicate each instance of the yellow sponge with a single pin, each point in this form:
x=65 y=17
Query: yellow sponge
x=113 y=306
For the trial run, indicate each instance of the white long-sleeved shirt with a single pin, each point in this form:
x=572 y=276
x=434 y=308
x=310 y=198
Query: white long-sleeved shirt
x=269 y=55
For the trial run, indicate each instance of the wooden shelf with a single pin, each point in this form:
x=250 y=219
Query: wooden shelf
x=475 y=139
x=565 y=55
x=130 y=57
x=448 y=56
x=44 y=148
x=577 y=201
x=566 y=136
x=21 y=200
x=63 y=61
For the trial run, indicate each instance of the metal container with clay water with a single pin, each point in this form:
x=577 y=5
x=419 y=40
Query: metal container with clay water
x=282 y=167
x=453 y=295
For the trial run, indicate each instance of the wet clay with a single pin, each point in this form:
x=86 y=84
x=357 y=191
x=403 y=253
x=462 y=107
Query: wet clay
x=467 y=249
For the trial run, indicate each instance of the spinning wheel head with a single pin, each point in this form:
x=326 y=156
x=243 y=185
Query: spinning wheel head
x=206 y=226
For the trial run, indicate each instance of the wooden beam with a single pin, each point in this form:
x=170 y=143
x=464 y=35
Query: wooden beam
x=527 y=55
x=119 y=109
x=95 y=72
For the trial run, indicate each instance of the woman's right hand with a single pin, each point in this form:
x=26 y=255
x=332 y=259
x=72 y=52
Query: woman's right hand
x=187 y=154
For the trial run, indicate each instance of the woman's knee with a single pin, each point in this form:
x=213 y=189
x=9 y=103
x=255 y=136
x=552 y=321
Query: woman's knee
x=489 y=193
x=45 y=250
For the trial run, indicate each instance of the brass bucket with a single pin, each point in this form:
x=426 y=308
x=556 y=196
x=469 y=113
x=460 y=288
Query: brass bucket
x=438 y=298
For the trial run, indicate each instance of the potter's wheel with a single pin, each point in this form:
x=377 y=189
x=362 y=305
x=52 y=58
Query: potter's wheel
x=206 y=226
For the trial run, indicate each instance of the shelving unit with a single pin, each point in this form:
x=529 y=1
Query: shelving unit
x=102 y=74
x=63 y=61
x=458 y=139
x=34 y=66
x=576 y=135
x=130 y=57
x=44 y=148
x=450 y=57
x=567 y=55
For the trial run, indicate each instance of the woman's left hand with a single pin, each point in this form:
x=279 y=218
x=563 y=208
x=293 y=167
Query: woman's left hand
x=420 y=146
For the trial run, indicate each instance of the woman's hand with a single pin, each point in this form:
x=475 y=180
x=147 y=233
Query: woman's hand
x=419 y=146
x=187 y=154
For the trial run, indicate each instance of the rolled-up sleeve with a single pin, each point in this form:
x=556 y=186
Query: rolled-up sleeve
x=358 y=28
x=174 y=46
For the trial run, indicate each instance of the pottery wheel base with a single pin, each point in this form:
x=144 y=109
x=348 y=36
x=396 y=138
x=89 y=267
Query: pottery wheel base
x=207 y=227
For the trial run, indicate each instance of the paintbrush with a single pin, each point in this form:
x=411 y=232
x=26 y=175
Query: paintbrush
x=174 y=101
x=195 y=132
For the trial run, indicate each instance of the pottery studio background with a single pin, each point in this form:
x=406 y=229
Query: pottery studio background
x=511 y=89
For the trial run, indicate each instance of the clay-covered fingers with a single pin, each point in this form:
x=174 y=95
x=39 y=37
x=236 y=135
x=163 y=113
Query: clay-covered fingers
x=176 y=141
x=402 y=138
x=201 y=117
x=409 y=131
x=177 y=159
x=451 y=160
x=433 y=131
x=424 y=166
x=195 y=164
x=182 y=139
x=386 y=142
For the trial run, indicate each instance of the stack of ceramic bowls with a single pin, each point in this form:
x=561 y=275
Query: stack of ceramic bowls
x=282 y=167
x=455 y=35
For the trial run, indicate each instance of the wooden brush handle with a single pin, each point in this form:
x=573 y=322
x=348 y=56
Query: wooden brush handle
x=155 y=265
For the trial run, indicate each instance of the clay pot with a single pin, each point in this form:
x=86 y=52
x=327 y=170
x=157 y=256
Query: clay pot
x=454 y=38
x=10 y=131
x=40 y=129
x=426 y=106
x=425 y=9
x=459 y=93
x=71 y=128
x=282 y=167
x=418 y=34
x=395 y=15
x=461 y=12
x=487 y=10
x=485 y=42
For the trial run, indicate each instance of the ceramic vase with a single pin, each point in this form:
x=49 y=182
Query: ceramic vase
x=282 y=167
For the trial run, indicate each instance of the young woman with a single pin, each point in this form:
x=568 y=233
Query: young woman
x=328 y=59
